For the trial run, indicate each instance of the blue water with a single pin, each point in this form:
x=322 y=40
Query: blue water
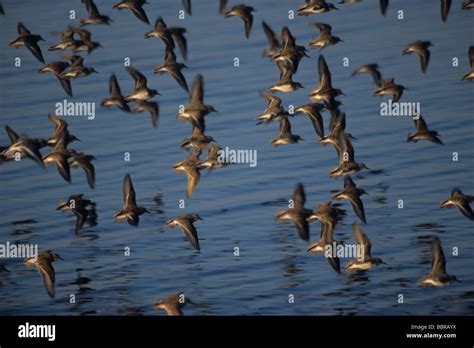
x=239 y=203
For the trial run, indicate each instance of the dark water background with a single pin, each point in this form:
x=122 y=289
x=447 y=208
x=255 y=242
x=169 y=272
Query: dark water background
x=238 y=204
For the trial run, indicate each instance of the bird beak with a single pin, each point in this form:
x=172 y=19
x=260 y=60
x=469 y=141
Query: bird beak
x=61 y=206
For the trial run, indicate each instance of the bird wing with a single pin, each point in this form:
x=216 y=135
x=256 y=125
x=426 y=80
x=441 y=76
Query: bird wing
x=193 y=176
x=63 y=167
x=470 y=54
x=170 y=57
x=438 y=261
x=325 y=29
x=285 y=126
x=139 y=13
x=114 y=87
x=91 y=8
x=187 y=6
x=299 y=196
x=35 y=50
x=197 y=91
x=335 y=263
x=358 y=207
x=140 y=79
x=445 y=6
x=179 y=77
x=248 y=20
x=88 y=167
x=83 y=33
x=362 y=239
x=160 y=23
x=32 y=151
x=272 y=39
x=178 y=36
x=79 y=222
x=46 y=270
x=424 y=54
x=420 y=124
x=465 y=209
x=324 y=73
x=302 y=227
x=66 y=85
x=348 y=183
x=190 y=232
x=222 y=5
x=22 y=31
x=12 y=135
x=383 y=6
x=287 y=39
x=128 y=193
x=317 y=122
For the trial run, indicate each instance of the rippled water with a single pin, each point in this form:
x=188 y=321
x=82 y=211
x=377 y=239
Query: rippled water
x=238 y=204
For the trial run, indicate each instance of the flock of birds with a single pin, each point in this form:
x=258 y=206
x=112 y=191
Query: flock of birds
x=282 y=51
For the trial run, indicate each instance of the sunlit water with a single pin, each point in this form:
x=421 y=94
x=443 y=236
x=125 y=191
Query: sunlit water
x=238 y=203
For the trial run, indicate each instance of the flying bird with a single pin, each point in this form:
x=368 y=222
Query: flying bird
x=135 y=6
x=298 y=214
x=437 y=275
x=373 y=70
x=94 y=16
x=141 y=90
x=172 y=67
x=43 y=262
x=352 y=194
x=131 y=212
x=244 y=12
x=30 y=41
x=366 y=261
x=173 y=304
x=274 y=43
x=285 y=136
x=59 y=156
x=186 y=224
x=325 y=37
x=57 y=69
x=389 y=87
x=82 y=208
x=83 y=161
x=324 y=92
x=460 y=201
x=422 y=132
x=116 y=97
x=22 y=146
x=420 y=48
